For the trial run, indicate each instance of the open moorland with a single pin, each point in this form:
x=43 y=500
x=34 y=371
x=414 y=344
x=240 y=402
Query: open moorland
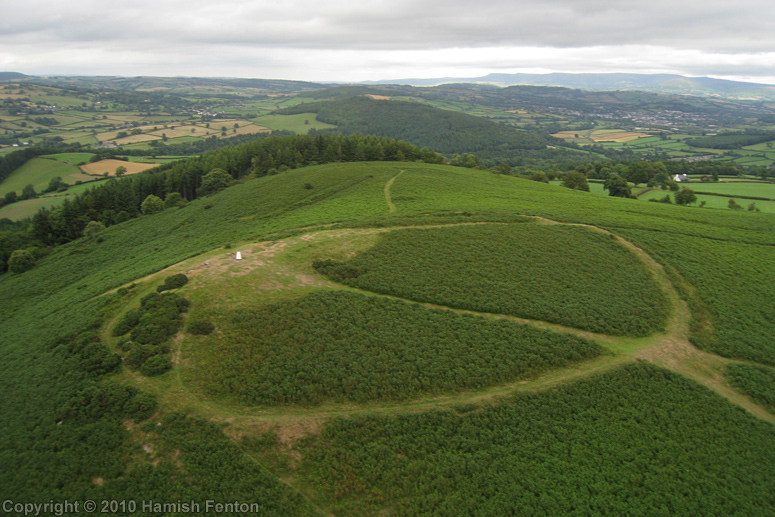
x=396 y=337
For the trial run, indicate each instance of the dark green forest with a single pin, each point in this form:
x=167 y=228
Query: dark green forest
x=444 y=131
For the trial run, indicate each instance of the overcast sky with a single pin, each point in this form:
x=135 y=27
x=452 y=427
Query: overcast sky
x=351 y=40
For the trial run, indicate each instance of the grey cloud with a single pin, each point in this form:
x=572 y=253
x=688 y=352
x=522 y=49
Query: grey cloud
x=297 y=37
x=405 y=24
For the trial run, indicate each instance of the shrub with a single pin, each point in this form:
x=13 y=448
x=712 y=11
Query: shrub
x=200 y=327
x=665 y=199
x=539 y=176
x=127 y=323
x=21 y=261
x=173 y=282
x=152 y=205
x=154 y=331
x=156 y=365
x=685 y=196
x=214 y=181
x=141 y=406
x=174 y=199
x=139 y=354
x=575 y=180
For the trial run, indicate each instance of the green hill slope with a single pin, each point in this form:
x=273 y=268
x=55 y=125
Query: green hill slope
x=76 y=424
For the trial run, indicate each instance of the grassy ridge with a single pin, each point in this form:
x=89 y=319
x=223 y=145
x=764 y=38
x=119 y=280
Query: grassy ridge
x=560 y=274
x=636 y=441
x=62 y=294
x=341 y=346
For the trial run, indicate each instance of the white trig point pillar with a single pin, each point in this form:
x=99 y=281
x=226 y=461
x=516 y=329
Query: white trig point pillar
x=239 y=255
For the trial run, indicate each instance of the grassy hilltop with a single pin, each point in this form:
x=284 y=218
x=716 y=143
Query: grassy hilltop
x=403 y=338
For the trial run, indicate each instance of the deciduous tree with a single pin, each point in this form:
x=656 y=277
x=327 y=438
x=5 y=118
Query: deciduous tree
x=214 y=181
x=152 y=205
x=575 y=181
x=617 y=186
x=21 y=261
x=685 y=196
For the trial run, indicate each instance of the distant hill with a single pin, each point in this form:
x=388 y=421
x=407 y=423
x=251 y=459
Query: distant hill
x=145 y=83
x=11 y=76
x=443 y=131
x=660 y=83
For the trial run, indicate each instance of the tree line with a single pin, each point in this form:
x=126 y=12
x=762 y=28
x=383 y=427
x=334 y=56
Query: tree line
x=122 y=199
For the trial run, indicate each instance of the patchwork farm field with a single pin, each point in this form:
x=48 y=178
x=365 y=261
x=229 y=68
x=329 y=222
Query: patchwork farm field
x=603 y=135
x=72 y=158
x=28 y=208
x=38 y=172
x=717 y=201
x=738 y=188
x=338 y=354
x=102 y=167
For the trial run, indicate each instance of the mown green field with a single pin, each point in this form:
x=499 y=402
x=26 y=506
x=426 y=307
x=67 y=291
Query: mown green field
x=612 y=434
x=28 y=208
x=72 y=158
x=716 y=202
x=38 y=172
x=733 y=189
x=24 y=209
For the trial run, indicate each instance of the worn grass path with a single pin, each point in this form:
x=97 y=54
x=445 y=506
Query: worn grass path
x=388 y=199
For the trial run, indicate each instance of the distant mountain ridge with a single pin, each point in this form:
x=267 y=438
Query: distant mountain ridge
x=660 y=83
x=11 y=76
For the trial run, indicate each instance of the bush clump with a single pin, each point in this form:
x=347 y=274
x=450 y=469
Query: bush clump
x=127 y=323
x=201 y=327
x=21 y=261
x=156 y=365
x=156 y=320
x=173 y=282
